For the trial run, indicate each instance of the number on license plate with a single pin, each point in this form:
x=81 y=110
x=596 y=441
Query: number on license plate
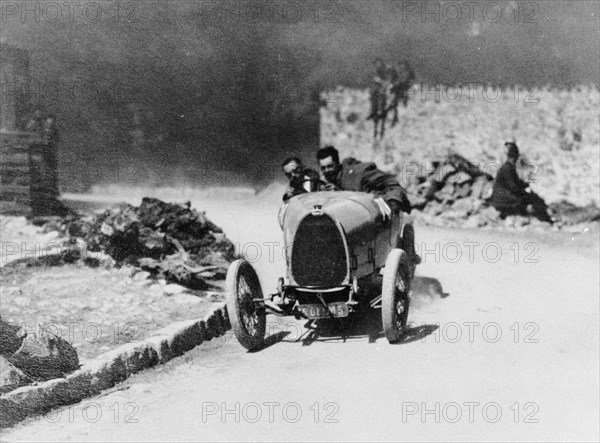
x=319 y=311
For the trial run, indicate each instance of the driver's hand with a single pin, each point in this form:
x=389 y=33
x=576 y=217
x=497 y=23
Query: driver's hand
x=331 y=187
x=289 y=193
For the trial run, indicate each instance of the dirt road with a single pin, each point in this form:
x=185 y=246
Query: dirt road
x=511 y=354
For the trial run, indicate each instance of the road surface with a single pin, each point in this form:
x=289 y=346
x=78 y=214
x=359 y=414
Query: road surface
x=510 y=354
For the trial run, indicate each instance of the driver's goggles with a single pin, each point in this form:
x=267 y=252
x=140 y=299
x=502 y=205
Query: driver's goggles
x=293 y=172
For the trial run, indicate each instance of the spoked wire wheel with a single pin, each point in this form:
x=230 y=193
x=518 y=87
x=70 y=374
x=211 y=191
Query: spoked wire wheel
x=246 y=312
x=394 y=295
x=407 y=244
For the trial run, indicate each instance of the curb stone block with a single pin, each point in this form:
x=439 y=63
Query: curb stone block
x=185 y=341
x=112 y=367
x=216 y=324
x=63 y=393
x=179 y=337
x=160 y=343
x=220 y=321
x=33 y=399
x=82 y=382
x=212 y=327
x=109 y=370
x=138 y=356
x=204 y=334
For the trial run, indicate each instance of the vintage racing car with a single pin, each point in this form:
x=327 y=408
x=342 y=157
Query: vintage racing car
x=345 y=251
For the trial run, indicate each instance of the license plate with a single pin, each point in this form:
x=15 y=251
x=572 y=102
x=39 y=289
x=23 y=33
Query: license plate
x=319 y=311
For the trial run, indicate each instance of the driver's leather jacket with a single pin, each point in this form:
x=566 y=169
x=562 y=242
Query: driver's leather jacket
x=365 y=177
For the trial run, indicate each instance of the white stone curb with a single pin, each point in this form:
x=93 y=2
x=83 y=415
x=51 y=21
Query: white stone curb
x=112 y=367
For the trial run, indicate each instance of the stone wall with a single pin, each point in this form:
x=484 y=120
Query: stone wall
x=14 y=173
x=557 y=132
x=14 y=77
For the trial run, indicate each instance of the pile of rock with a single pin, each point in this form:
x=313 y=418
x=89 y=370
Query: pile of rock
x=29 y=357
x=455 y=191
x=456 y=194
x=171 y=241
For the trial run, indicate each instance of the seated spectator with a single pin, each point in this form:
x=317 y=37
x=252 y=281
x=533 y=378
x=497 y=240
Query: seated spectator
x=511 y=195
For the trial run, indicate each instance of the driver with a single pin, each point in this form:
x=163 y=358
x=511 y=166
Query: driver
x=352 y=175
x=302 y=179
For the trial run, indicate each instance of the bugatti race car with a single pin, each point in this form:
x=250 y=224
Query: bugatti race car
x=345 y=252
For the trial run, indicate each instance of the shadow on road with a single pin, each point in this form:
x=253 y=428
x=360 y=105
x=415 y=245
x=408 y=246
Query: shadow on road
x=270 y=341
x=417 y=333
x=363 y=327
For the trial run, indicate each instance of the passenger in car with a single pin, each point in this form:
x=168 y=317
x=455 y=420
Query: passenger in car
x=302 y=179
x=353 y=175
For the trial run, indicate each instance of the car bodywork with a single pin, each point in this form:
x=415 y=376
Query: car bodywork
x=336 y=244
x=329 y=234
x=338 y=248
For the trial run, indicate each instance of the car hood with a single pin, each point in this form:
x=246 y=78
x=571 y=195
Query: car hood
x=359 y=213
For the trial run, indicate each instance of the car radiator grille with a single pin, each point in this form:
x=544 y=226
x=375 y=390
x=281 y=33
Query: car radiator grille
x=318 y=253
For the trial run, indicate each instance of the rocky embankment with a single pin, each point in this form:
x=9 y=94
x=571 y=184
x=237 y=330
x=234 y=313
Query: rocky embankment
x=170 y=241
x=556 y=130
x=456 y=192
x=174 y=247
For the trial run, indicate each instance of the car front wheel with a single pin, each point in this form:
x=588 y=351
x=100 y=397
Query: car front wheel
x=394 y=295
x=246 y=312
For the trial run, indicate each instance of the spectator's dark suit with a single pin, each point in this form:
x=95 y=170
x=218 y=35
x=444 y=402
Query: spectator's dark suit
x=509 y=195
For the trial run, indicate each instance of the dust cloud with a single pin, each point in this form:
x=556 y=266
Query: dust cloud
x=206 y=92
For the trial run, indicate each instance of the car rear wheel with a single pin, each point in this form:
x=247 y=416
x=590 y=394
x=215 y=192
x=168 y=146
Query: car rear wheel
x=394 y=295
x=246 y=312
x=407 y=244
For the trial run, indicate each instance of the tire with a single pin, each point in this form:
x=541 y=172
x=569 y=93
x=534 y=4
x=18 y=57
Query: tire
x=247 y=317
x=394 y=295
x=407 y=244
